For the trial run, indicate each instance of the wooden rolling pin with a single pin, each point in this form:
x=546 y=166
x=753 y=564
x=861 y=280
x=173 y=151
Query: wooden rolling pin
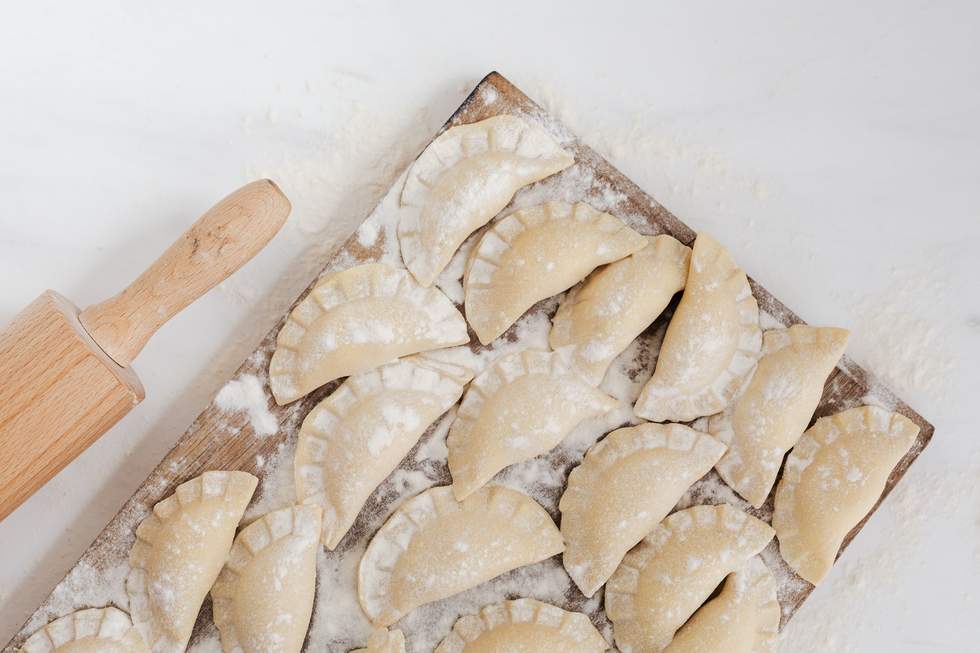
x=65 y=377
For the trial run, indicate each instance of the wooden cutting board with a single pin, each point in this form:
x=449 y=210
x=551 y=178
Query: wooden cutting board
x=219 y=439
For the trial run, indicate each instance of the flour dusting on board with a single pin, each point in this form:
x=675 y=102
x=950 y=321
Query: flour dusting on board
x=247 y=394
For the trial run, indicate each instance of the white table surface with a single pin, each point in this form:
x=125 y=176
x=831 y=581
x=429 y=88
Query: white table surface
x=835 y=149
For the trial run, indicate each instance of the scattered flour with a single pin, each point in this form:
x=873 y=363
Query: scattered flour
x=247 y=394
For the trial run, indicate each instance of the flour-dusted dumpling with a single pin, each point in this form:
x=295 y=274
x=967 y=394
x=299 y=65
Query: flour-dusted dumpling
x=536 y=253
x=744 y=618
x=263 y=598
x=523 y=626
x=178 y=553
x=355 y=320
x=95 y=630
x=356 y=437
x=833 y=477
x=384 y=641
x=601 y=318
x=463 y=179
x=433 y=546
x=674 y=569
x=770 y=415
x=626 y=485
x=712 y=342
x=518 y=408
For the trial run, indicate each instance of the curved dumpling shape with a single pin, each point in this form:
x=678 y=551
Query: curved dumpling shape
x=536 y=253
x=179 y=550
x=95 y=630
x=832 y=479
x=355 y=320
x=384 y=641
x=524 y=626
x=356 y=437
x=464 y=178
x=744 y=618
x=433 y=546
x=712 y=342
x=601 y=318
x=771 y=413
x=624 y=487
x=263 y=599
x=674 y=569
x=518 y=408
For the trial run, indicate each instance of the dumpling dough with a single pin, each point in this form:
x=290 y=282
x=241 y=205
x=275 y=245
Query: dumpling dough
x=770 y=415
x=523 y=626
x=626 y=485
x=674 y=569
x=356 y=437
x=744 y=618
x=95 y=630
x=464 y=178
x=433 y=546
x=536 y=253
x=833 y=477
x=355 y=320
x=520 y=407
x=263 y=598
x=712 y=342
x=179 y=550
x=601 y=318
x=384 y=641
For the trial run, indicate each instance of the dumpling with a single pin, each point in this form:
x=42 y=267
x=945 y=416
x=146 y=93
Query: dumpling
x=770 y=415
x=95 y=630
x=832 y=479
x=263 y=599
x=464 y=178
x=356 y=437
x=601 y=318
x=536 y=253
x=384 y=641
x=433 y=546
x=712 y=342
x=355 y=320
x=626 y=485
x=520 y=407
x=674 y=569
x=178 y=553
x=744 y=618
x=523 y=626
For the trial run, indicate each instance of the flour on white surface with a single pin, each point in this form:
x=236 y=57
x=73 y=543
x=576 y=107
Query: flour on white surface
x=246 y=394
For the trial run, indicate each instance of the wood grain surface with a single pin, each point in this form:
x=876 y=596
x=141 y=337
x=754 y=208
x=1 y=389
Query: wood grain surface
x=221 y=440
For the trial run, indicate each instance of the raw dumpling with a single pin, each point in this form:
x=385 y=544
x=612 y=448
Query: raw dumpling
x=434 y=546
x=536 y=253
x=263 y=598
x=523 y=626
x=770 y=415
x=674 y=569
x=356 y=437
x=626 y=485
x=355 y=320
x=832 y=479
x=95 y=630
x=520 y=407
x=712 y=342
x=179 y=550
x=601 y=318
x=384 y=641
x=744 y=618
x=464 y=178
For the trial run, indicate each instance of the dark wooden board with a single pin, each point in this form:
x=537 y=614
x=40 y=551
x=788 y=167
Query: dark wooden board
x=220 y=440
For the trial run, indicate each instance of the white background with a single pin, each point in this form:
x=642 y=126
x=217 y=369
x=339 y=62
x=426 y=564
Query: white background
x=834 y=146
